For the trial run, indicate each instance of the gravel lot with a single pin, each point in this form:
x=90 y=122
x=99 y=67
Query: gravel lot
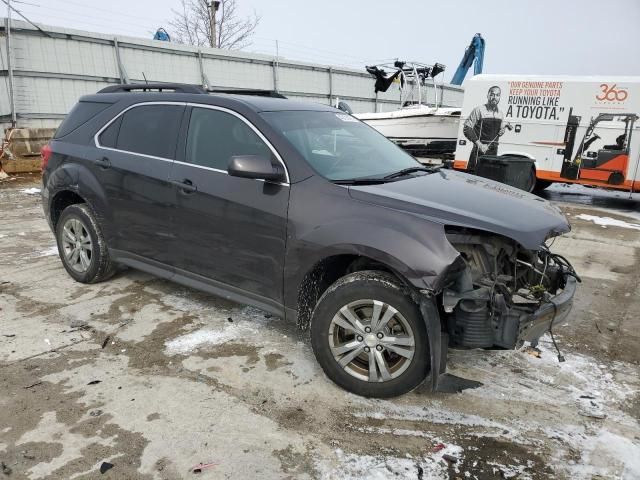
x=154 y=378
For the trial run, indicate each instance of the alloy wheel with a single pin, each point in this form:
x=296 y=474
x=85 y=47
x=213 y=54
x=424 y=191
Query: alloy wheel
x=371 y=340
x=76 y=245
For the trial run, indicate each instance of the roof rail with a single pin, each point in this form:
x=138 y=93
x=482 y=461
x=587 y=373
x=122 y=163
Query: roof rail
x=154 y=87
x=247 y=91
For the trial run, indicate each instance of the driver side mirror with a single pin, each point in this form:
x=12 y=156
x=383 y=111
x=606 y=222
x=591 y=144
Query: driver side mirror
x=257 y=167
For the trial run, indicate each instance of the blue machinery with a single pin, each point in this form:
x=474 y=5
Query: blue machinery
x=475 y=51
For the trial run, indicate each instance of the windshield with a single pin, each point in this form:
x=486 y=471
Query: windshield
x=339 y=146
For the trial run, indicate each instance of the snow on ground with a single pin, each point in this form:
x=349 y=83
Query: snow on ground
x=381 y=467
x=191 y=342
x=608 y=221
x=584 y=395
x=30 y=191
x=230 y=330
x=53 y=250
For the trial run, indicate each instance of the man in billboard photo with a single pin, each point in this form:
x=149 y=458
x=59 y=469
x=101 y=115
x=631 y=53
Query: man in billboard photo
x=484 y=126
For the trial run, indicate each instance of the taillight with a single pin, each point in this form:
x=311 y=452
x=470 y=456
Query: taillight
x=45 y=154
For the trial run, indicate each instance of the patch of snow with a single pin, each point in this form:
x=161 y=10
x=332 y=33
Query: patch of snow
x=30 y=191
x=383 y=467
x=604 y=452
x=437 y=413
x=608 y=221
x=193 y=341
x=48 y=252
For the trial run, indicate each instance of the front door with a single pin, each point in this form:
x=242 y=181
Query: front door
x=230 y=230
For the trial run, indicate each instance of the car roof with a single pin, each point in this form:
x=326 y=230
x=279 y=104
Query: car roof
x=257 y=103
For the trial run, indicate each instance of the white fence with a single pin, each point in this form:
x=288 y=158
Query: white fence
x=52 y=69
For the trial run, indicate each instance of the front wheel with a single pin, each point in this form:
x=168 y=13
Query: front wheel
x=369 y=336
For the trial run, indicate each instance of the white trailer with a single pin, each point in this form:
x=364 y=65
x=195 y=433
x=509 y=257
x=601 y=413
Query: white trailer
x=576 y=129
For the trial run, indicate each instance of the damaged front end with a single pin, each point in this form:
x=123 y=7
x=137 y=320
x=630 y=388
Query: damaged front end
x=502 y=294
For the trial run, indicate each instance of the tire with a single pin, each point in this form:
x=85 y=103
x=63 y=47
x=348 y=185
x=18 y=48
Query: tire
x=92 y=263
x=332 y=342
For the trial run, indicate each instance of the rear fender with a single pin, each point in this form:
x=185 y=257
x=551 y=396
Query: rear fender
x=78 y=178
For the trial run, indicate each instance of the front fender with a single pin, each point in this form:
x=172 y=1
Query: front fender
x=415 y=248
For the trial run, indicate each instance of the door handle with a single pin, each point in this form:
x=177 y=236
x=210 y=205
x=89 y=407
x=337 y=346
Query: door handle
x=185 y=186
x=103 y=162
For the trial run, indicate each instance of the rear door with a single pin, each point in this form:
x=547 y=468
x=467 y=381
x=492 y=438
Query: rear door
x=230 y=230
x=137 y=149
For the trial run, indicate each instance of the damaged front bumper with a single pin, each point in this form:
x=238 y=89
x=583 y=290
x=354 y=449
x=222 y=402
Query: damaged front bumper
x=553 y=311
x=495 y=295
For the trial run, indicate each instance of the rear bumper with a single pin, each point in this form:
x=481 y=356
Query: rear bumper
x=552 y=312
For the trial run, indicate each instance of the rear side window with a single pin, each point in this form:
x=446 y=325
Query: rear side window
x=214 y=137
x=81 y=113
x=150 y=130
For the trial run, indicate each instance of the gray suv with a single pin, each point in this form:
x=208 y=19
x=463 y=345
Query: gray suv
x=303 y=211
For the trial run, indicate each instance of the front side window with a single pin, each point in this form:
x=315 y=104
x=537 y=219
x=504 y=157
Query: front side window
x=215 y=136
x=150 y=130
x=338 y=146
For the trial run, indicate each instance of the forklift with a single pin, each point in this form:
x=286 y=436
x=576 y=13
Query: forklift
x=610 y=163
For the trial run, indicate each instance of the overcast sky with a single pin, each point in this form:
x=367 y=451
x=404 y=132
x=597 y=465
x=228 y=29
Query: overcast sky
x=581 y=37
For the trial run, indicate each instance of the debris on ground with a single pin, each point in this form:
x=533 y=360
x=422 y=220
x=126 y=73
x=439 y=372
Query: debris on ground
x=533 y=351
x=105 y=466
x=105 y=341
x=31 y=191
x=5 y=468
x=450 y=458
x=78 y=323
x=438 y=447
x=202 y=466
x=33 y=385
x=96 y=413
x=589 y=406
x=94 y=382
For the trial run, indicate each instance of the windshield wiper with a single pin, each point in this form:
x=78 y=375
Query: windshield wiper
x=360 y=181
x=406 y=171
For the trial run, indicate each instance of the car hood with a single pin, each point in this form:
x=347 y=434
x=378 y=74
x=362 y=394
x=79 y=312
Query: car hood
x=459 y=199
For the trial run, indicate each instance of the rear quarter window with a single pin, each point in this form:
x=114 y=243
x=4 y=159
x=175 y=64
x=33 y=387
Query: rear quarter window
x=80 y=114
x=109 y=136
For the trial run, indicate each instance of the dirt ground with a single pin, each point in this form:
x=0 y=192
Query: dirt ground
x=154 y=378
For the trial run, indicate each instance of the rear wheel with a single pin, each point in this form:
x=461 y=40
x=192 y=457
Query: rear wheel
x=81 y=245
x=369 y=336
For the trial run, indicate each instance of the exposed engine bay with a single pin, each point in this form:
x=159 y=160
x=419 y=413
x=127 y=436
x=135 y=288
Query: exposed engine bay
x=502 y=294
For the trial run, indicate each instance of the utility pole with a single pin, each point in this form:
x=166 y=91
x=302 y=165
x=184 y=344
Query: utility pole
x=213 y=8
x=10 y=68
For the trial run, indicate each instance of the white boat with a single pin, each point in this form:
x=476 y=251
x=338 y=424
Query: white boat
x=423 y=129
